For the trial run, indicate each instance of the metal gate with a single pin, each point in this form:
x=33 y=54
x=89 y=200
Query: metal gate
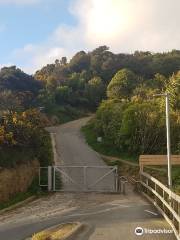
x=83 y=178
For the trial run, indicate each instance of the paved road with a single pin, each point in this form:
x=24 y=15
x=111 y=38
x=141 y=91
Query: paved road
x=108 y=216
x=72 y=151
x=71 y=146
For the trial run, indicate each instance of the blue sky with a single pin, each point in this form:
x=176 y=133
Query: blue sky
x=22 y=24
x=29 y=23
x=34 y=33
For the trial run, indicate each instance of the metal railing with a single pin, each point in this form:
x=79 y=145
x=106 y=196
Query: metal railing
x=166 y=201
x=136 y=183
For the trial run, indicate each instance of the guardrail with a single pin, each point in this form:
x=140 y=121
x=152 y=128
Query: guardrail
x=166 y=201
x=136 y=183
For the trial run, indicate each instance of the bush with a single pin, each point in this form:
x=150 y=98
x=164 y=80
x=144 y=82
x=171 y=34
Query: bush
x=136 y=128
x=23 y=138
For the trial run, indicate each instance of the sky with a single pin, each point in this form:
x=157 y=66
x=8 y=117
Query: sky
x=34 y=33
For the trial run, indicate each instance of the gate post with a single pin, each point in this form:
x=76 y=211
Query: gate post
x=85 y=178
x=49 y=178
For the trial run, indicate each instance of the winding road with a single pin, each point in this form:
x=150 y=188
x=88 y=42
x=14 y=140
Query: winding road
x=107 y=216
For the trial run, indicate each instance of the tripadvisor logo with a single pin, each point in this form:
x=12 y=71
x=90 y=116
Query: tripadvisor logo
x=139 y=231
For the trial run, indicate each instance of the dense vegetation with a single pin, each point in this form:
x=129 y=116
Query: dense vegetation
x=82 y=82
x=23 y=138
x=132 y=120
x=128 y=118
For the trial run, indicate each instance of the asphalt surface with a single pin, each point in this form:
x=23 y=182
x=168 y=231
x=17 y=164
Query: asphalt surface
x=108 y=216
x=83 y=168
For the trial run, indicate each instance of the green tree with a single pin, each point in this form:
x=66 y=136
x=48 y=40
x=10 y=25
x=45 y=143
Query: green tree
x=62 y=94
x=143 y=129
x=80 y=62
x=94 y=91
x=12 y=78
x=173 y=88
x=122 y=85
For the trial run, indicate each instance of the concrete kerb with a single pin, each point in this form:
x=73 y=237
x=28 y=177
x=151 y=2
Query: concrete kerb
x=71 y=236
x=19 y=204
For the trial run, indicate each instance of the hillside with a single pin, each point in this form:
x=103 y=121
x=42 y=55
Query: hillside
x=129 y=119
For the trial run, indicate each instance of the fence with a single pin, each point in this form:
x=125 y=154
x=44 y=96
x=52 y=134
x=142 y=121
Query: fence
x=166 y=201
x=81 y=179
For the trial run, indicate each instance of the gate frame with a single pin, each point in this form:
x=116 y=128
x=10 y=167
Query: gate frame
x=84 y=188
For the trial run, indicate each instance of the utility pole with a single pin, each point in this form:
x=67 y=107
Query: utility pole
x=166 y=95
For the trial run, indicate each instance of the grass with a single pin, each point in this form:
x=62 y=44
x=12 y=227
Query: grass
x=55 y=234
x=16 y=199
x=105 y=147
x=127 y=168
x=11 y=157
x=34 y=189
x=65 y=113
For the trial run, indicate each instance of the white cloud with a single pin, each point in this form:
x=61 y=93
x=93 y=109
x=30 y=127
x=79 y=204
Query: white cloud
x=127 y=25
x=21 y=2
x=123 y=25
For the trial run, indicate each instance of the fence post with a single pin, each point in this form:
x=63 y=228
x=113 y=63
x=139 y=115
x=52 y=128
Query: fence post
x=85 y=177
x=179 y=215
x=116 y=183
x=49 y=178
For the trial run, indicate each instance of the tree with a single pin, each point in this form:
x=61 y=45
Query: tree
x=159 y=82
x=62 y=94
x=142 y=93
x=122 y=85
x=80 y=62
x=12 y=78
x=173 y=88
x=143 y=129
x=63 y=61
x=94 y=91
x=44 y=73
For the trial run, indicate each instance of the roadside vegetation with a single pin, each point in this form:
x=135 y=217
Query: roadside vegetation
x=56 y=233
x=22 y=140
x=118 y=87
x=131 y=122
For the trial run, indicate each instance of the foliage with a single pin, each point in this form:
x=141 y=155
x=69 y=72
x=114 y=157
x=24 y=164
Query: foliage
x=143 y=129
x=41 y=236
x=55 y=234
x=94 y=91
x=23 y=135
x=128 y=121
x=173 y=88
x=122 y=84
x=15 y=199
x=70 y=82
x=14 y=79
x=132 y=121
x=105 y=147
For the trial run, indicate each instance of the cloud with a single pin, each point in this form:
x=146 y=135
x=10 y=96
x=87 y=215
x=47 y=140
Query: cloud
x=123 y=25
x=19 y=2
x=37 y=56
x=127 y=25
